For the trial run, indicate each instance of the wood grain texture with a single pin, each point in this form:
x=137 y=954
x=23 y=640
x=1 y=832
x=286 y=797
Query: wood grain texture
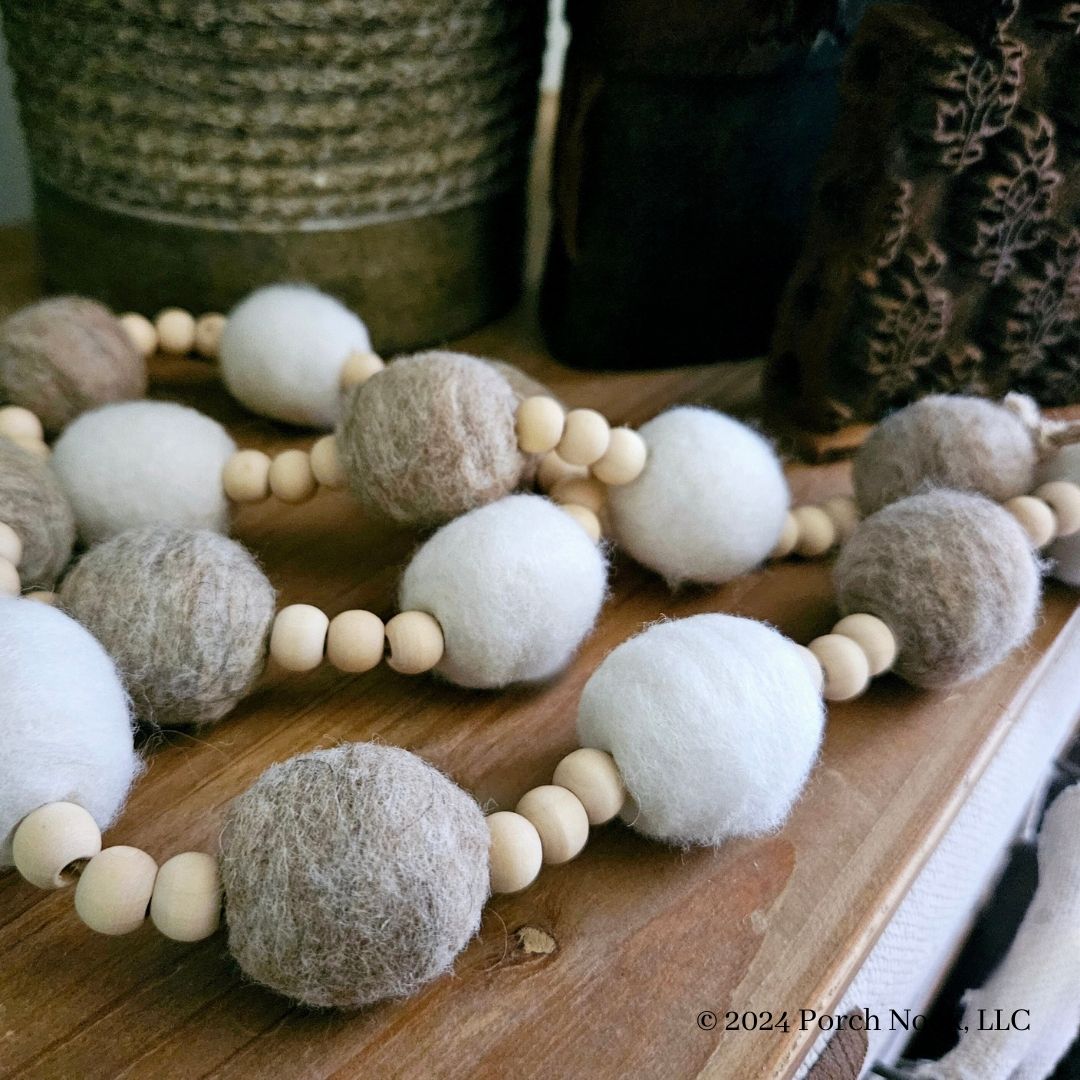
x=602 y=967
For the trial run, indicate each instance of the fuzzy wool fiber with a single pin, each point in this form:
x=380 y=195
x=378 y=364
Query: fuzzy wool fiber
x=282 y=352
x=185 y=613
x=430 y=437
x=65 y=722
x=62 y=356
x=144 y=463
x=710 y=502
x=1063 y=554
x=963 y=443
x=714 y=722
x=352 y=875
x=33 y=503
x=952 y=575
x=515 y=585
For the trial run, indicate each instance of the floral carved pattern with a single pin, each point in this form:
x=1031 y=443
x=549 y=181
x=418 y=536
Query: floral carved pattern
x=897 y=224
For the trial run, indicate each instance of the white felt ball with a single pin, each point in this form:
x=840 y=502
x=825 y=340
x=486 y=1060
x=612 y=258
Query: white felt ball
x=1064 y=554
x=283 y=349
x=144 y=463
x=710 y=503
x=515 y=585
x=714 y=722
x=64 y=724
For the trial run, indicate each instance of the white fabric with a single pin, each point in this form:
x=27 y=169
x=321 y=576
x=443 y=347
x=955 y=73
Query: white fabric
x=141 y=463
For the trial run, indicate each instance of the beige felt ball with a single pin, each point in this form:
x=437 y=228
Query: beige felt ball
x=62 y=356
x=951 y=574
x=185 y=613
x=352 y=875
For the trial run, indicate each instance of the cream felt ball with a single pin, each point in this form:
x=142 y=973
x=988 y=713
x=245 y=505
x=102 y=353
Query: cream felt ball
x=515 y=585
x=144 y=463
x=710 y=503
x=964 y=443
x=186 y=615
x=714 y=723
x=1063 y=554
x=33 y=503
x=352 y=875
x=65 y=721
x=951 y=574
x=282 y=351
x=430 y=437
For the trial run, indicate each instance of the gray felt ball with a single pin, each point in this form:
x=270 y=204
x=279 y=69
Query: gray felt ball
x=951 y=574
x=33 y=503
x=184 y=613
x=964 y=443
x=352 y=875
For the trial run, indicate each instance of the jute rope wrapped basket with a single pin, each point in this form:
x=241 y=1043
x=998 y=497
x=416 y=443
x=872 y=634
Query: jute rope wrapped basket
x=185 y=152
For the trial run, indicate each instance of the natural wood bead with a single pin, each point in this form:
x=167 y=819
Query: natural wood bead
x=789 y=537
x=1035 y=518
x=416 y=642
x=1063 y=497
x=580 y=491
x=624 y=459
x=10 y=585
x=326 y=463
x=817 y=533
x=11 y=547
x=186 y=902
x=872 y=636
x=813 y=665
x=594 y=778
x=586 y=519
x=585 y=437
x=50 y=839
x=844 y=515
x=291 y=477
x=553 y=469
x=140 y=331
x=847 y=670
x=37 y=447
x=359 y=367
x=298 y=638
x=175 y=330
x=516 y=853
x=19 y=423
x=355 y=641
x=114 y=890
x=42 y=597
x=208 y=331
x=246 y=477
x=560 y=819
x=540 y=423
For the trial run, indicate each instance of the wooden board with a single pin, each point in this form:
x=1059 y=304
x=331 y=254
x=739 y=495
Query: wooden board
x=602 y=968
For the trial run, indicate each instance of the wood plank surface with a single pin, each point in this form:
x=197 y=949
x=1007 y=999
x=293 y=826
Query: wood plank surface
x=601 y=968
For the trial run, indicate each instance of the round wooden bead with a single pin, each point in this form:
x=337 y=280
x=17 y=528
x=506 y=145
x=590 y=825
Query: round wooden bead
x=37 y=447
x=847 y=670
x=553 y=469
x=246 y=476
x=1063 y=498
x=355 y=641
x=42 y=597
x=416 y=642
x=299 y=637
x=844 y=515
x=359 y=367
x=580 y=491
x=186 y=902
x=594 y=778
x=208 y=330
x=50 y=839
x=114 y=890
x=11 y=547
x=540 y=423
x=586 y=519
x=10 y=585
x=585 y=437
x=789 y=537
x=817 y=533
x=175 y=330
x=516 y=853
x=1035 y=518
x=813 y=665
x=326 y=463
x=19 y=423
x=559 y=818
x=140 y=331
x=291 y=477
x=624 y=458
x=872 y=636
